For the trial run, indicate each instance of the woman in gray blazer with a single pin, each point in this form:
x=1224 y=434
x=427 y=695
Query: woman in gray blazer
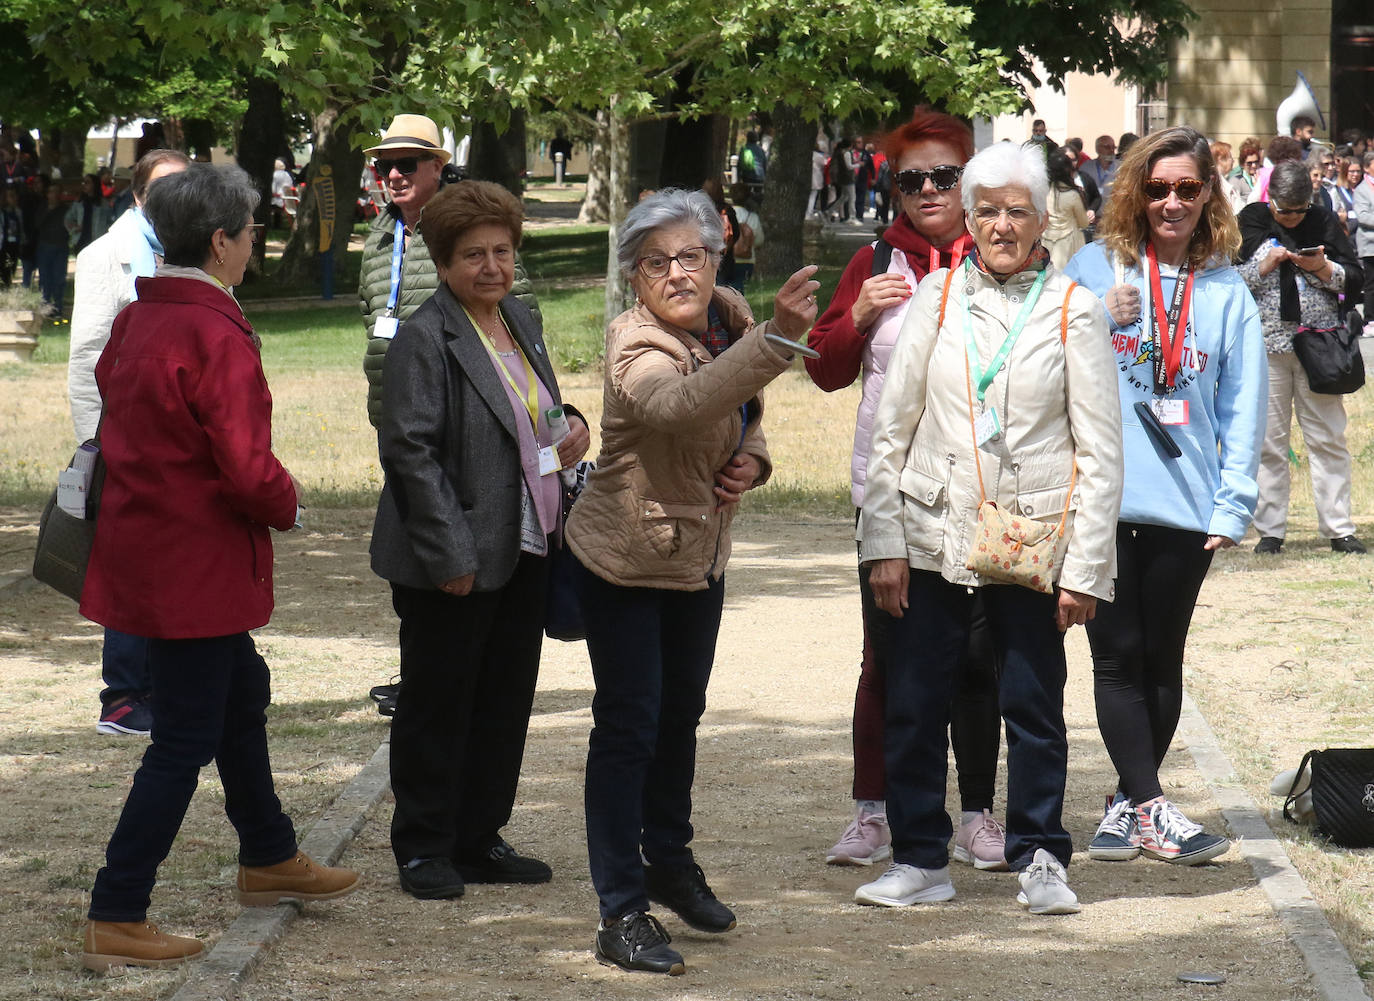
x=469 y=516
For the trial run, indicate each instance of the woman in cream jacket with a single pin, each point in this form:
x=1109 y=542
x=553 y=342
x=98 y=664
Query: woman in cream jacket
x=1006 y=339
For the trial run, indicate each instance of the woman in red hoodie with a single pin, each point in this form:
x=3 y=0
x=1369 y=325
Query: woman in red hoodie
x=854 y=337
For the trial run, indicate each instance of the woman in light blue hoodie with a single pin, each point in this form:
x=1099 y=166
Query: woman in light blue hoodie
x=1193 y=381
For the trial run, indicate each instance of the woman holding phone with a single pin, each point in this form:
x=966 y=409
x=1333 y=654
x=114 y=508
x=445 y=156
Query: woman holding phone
x=1297 y=260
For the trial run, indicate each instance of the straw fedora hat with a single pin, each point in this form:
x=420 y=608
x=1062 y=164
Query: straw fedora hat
x=411 y=132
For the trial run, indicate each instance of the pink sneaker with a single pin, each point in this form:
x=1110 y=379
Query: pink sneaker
x=866 y=840
x=982 y=843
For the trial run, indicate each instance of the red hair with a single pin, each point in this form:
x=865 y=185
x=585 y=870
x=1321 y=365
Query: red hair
x=928 y=124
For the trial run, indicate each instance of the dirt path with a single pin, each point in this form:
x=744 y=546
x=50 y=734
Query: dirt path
x=771 y=795
x=772 y=786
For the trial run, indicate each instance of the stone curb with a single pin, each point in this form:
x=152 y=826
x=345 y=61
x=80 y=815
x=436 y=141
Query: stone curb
x=1302 y=919
x=245 y=943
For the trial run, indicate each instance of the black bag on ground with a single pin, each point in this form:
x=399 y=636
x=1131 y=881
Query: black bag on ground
x=1331 y=357
x=1342 y=794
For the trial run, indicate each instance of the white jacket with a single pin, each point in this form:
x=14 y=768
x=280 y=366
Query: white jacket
x=1057 y=402
x=104 y=286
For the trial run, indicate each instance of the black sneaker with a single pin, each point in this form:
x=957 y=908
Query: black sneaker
x=1348 y=544
x=1268 y=546
x=132 y=716
x=638 y=942
x=385 y=696
x=431 y=879
x=683 y=890
x=503 y=864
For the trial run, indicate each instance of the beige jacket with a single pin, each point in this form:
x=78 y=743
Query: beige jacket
x=672 y=418
x=1055 y=401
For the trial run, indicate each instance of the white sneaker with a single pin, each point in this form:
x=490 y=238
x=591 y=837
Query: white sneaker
x=903 y=885
x=1044 y=887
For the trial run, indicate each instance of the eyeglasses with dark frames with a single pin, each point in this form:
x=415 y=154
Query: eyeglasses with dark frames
x=912 y=181
x=658 y=265
x=1187 y=188
x=403 y=165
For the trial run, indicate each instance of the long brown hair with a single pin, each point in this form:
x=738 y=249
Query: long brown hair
x=1125 y=225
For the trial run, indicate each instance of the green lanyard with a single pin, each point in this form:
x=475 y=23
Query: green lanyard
x=985 y=376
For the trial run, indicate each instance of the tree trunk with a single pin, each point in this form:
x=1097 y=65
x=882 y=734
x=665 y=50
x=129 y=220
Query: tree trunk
x=262 y=133
x=789 y=186
x=618 y=203
x=499 y=156
x=72 y=151
x=333 y=164
x=595 y=205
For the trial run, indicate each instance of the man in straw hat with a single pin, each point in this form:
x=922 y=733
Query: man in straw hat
x=397 y=274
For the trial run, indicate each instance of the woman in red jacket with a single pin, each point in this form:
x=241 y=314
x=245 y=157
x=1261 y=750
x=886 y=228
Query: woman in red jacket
x=854 y=337
x=182 y=556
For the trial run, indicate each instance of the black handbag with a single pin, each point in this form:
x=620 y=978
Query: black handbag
x=64 y=541
x=563 y=607
x=1331 y=357
x=1342 y=794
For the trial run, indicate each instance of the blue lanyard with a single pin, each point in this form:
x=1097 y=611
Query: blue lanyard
x=986 y=375
x=398 y=245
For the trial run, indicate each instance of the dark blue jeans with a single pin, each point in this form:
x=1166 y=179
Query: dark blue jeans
x=924 y=648
x=52 y=273
x=124 y=667
x=209 y=704
x=651 y=653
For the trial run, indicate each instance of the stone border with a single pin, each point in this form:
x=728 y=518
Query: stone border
x=244 y=944
x=1303 y=920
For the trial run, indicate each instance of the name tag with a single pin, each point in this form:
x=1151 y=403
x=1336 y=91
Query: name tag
x=386 y=327
x=987 y=428
x=548 y=460
x=1170 y=411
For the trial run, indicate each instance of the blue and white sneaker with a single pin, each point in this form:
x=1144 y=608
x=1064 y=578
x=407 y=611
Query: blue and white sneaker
x=1118 y=836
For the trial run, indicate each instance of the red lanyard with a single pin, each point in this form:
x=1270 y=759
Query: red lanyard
x=1170 y=327
x=957 y=251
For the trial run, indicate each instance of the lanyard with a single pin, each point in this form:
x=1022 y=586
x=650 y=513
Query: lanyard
x=532 y=384
x=1169 y=329
x=986 y=375
x=957 y=251
x=398 y=249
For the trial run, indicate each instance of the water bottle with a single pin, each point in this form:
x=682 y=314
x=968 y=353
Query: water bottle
x=558 y=430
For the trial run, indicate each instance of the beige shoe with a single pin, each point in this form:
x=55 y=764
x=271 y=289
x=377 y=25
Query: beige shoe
x=134 y=943
x=298 y=878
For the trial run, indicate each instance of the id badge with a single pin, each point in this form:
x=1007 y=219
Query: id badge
x=386 y=327
x=987 y=428
x=548 y=460
x=1170 y=411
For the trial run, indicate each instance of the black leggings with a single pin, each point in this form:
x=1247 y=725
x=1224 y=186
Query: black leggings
x=1137 y=646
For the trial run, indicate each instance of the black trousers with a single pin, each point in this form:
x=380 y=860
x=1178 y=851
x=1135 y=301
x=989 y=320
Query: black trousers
x=652 y=651
x=468 y=671
x=1137 y=645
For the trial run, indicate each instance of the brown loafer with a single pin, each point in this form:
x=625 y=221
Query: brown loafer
x=134 y=943
x=298 y=878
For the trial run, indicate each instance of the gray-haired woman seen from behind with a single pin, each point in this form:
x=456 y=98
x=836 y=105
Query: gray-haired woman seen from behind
x=680 y=444
x=1042 y=440
x=187 y=442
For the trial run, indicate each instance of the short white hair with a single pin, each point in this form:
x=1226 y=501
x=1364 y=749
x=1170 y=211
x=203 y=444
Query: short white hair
x=1006 y=163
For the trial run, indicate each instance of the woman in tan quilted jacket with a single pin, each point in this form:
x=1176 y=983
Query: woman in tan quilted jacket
x=680 y=444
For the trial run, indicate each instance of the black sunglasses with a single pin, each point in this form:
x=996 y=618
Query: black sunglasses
x=403 y=165
x=910 y=182
x=1187 y=189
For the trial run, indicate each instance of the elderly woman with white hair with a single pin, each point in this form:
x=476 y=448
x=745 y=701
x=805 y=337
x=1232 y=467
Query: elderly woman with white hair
x=998 y=426
x=681 y=442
